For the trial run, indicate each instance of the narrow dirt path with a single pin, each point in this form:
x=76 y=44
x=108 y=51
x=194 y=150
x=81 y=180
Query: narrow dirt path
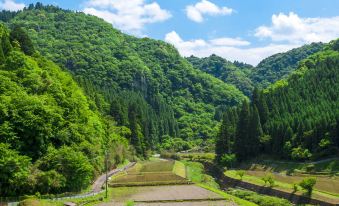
x=97 y=185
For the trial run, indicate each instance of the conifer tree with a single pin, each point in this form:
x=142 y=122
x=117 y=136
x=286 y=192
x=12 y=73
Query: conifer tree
x=255 y=132
x=223 y=142
x=241 y=137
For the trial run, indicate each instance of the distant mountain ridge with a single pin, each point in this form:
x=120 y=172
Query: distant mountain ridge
x=245 y=77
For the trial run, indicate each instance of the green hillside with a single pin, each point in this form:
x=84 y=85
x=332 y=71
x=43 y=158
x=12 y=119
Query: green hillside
x=295 y=118
x=280 y=65
x=51 y=140
x=120 y=71
x=233 y=73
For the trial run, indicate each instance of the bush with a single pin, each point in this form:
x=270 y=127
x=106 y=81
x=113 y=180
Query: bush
x=240 y=173
x=228 y=160
x=268 y=179
x=295 y=187
x=308 y=184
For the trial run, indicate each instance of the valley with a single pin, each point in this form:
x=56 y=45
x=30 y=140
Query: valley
x=82 y=101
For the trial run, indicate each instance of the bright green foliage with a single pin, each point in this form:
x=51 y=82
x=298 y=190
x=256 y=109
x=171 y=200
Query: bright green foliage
x=240 y=173
x=268 y=179
x=46 y=118
x=73 y=165
x=14 y=171
x=233 y=73
x=228 y=160
x=308 y=184
x=175 y=144
x=174 y=98
x=281 y=65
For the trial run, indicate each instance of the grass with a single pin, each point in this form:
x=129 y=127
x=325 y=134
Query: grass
x=179 y=169
x=262 y=200
x=284 y=183
x=330 y=167
x=195 y=173
x=231 y=198
x=155 y=172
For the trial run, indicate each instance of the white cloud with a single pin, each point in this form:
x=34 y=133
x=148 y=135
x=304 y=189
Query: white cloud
x=294 y=29
x=11 y=5
x=130 y=16
x=228 y=48
x=196 y=12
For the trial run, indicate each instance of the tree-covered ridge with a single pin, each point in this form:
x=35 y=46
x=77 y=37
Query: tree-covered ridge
x=235 y=73
x=295 y=118
x=50 y=138
x=280 y=65
x=112 y=64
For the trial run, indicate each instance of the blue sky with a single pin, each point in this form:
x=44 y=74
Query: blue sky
x=244 y=30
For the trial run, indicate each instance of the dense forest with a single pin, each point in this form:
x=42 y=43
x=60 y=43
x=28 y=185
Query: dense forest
x=51 y=138
x=235 y=73
x=295 y=118
x=245 y=77
x=122 y=73
x=74 y=91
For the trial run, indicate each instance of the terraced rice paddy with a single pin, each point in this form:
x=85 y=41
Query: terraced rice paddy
x=160 y=183
x=152 y=173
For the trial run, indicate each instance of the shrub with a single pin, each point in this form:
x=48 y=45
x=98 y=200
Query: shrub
x=240 y=173
x=295 y=187
x=308 y=184
x=268 y=179
x=228 y=160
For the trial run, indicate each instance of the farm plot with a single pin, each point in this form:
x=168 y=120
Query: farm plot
x=181 y=195
x=151 y=173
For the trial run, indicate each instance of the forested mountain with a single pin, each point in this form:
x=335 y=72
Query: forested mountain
x=51 y=139
x=135 y=80
x=295 y=118
x=280 y=65
x=245 y=77
x=233 y=73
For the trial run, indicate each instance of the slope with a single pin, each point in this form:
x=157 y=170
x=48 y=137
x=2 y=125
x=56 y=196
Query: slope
x=235 y=73
x=280 y=65
x=117 y=66
x=295 y=118
x=50 y=138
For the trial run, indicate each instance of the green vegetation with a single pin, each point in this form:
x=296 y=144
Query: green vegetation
x=262 y=200
x=325 y=187
x=308 y=184
x=155 y=172
x=233 y=73
x=280 y=66
x=195 y=173
x=51 y=138
x=143 y=83
x=296 y=118
x=227 y=196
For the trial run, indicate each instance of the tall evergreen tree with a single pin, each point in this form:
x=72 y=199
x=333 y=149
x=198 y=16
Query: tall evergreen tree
x=136 y=135
x=223 y=141
x=255 y=132
x=241 y=143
